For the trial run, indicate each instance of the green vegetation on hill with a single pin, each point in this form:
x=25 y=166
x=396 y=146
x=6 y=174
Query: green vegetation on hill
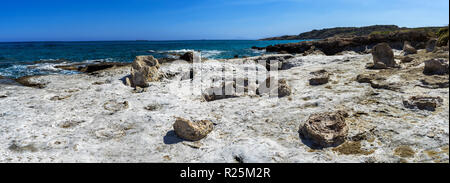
x=353 y=31
x=442 y=36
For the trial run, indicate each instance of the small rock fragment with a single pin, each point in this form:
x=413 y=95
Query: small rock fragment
x=319 y=77
x=423 y=102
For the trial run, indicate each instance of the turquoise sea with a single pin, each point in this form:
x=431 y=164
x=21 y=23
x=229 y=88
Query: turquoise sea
x=19 y=59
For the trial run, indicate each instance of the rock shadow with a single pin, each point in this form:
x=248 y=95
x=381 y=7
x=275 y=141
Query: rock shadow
x=124 y=79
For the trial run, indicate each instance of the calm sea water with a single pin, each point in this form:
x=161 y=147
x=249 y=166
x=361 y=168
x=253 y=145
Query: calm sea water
x=35 y=58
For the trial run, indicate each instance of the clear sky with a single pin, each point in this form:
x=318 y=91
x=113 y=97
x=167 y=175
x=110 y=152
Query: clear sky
x=78 y=20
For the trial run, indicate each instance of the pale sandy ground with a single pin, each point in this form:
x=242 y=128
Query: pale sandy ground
x=80 y=128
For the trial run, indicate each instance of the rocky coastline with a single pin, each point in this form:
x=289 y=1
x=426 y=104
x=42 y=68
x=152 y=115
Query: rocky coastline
x=361 y=99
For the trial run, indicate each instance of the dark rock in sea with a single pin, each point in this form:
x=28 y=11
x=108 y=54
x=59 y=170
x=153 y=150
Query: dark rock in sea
x=325 y=129
x=188 y=56
x=236 y=56
x=436 y=66
x=90 y=68
x=334 y=45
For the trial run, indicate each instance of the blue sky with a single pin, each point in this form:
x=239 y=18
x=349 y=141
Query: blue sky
x=79 y=20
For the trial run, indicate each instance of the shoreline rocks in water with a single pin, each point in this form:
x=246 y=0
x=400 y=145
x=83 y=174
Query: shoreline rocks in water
x=325 y=129
x=334 y=45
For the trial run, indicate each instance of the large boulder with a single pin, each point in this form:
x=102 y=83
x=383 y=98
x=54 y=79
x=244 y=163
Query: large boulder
x=192 y=131
x=408 y=49
x=431 y=45
x=383 y=56
x=319 y=77
x=144 y=70
x=436 y=66
x=325 y=129
x=188 y=56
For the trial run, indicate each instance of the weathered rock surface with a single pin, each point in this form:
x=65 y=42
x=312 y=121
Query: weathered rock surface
x=192 y=131
x=319 y=77
x=436 y=66
x=408 y=49
x=144 y=70
x=383 y=56
x=423 y=102
x=283 y=88
x=325 y=129
x=90 y=68
x=435 y=81
x=250 y=129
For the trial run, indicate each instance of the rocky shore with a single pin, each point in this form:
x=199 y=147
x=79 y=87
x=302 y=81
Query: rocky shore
x=382 y=105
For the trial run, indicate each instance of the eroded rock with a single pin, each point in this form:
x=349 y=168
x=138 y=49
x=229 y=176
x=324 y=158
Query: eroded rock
x=423 y=102
x=144 y=70
x=431 y=45
x=408 y=49
x=188 y=56
x=325 y=129
x=383 y=56
x=192 y=131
